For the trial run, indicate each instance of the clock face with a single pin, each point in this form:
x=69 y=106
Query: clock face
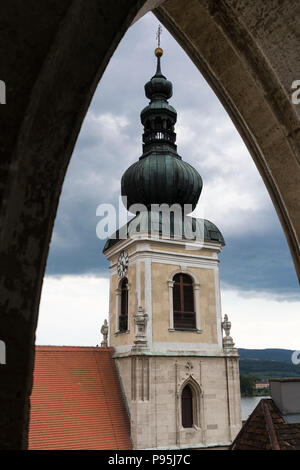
x=123 y=264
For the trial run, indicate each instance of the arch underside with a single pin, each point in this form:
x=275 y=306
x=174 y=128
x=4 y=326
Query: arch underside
x=246 y=50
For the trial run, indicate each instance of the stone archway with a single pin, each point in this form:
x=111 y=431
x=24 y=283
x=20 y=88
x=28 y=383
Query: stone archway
x=52 y=58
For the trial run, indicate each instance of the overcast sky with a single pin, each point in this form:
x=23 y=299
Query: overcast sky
x=260 y=291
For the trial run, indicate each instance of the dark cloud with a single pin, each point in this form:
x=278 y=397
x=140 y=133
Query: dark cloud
x=261 y=264
x=234 y=197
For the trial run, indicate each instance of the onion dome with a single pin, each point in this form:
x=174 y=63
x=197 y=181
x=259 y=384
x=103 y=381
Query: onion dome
x=161 y=179
x=160 y=176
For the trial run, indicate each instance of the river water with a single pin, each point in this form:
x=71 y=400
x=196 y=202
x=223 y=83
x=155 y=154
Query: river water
x=248 y=404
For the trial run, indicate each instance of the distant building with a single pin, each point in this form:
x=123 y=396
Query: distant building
x=261 y=384
x=275 y=422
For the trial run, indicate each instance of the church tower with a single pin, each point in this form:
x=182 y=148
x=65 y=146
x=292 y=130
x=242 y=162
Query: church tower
x=179 y=375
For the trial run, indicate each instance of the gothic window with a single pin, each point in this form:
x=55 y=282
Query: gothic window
x=123 y=317
x=183 y=302
x=187 y=407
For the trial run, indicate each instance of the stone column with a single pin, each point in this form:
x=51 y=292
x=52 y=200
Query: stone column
x=171 y=313
x=196 y=287
x=118 y=307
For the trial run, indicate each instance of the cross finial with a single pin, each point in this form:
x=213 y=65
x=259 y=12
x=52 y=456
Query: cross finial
x=158 y=34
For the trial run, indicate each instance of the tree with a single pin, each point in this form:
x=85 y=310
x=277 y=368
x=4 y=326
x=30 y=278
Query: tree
x=247 y=383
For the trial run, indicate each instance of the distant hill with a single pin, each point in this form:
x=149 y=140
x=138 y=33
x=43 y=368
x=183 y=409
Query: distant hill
x=267 y=354
x=268 y=363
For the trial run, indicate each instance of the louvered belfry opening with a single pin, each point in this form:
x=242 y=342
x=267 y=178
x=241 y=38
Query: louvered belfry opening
x=123 y=317
x=187 y=407
x=183 y=302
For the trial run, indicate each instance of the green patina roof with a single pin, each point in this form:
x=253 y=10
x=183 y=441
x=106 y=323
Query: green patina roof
x=161 y=178
x=158 y=105
x=158 y=85
x=187 y=228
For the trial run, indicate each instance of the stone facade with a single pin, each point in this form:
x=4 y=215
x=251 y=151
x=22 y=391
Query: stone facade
x=151 y=269
x=153 y=386
x=153 y=378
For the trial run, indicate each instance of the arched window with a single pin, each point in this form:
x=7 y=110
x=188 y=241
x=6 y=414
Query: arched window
x=123 y=317
x=158 y=123
x=187 y=407
x=183 y=302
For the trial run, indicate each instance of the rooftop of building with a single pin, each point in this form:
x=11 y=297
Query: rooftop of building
x=153 y=224
x=286 y=379
x=77 y=401
x=275 y=422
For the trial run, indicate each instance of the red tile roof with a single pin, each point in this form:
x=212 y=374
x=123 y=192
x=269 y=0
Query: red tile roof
x=266 y=429
x=77 y=402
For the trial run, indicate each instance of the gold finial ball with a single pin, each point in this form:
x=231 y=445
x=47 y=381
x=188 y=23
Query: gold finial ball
x=158 y=52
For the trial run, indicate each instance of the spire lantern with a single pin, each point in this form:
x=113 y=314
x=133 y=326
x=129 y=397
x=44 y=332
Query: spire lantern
x=158 y=87
x=160 y=176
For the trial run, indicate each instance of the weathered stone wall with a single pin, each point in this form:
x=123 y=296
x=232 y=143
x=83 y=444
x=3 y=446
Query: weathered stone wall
x=153 y=388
